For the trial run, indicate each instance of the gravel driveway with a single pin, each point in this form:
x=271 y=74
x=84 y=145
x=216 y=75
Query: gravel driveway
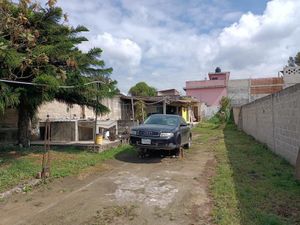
x=126 y=190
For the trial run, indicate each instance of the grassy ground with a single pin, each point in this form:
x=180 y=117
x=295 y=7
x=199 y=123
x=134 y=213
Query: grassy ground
x=252 y=186
x=19 y=166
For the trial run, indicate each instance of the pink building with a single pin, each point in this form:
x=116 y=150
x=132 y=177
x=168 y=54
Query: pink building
x=209 y=91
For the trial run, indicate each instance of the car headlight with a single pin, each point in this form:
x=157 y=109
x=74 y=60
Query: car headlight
x=133 y=132
x=168 y=135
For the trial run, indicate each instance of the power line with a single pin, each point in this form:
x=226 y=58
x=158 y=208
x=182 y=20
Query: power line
x=45 y=85
x=152 y=103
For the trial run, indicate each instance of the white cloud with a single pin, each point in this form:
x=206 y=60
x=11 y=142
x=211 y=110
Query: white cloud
x=184 y=40
x=117 y=50
x=261 y=40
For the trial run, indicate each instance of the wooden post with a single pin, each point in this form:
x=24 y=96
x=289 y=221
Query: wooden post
x=143 y=113
x=46 y=163
x=95 y=125
x=164 y=106
x=132 y=108
x=181 y=153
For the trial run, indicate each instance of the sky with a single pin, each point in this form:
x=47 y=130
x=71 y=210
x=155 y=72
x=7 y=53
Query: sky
x=167 y=42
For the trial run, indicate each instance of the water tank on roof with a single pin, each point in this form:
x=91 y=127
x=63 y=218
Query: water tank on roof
x=218 y=70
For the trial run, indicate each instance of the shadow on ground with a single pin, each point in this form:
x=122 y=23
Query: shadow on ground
x=152 y=157
x=265 y=187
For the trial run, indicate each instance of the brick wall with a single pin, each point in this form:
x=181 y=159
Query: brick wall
x=275 y=121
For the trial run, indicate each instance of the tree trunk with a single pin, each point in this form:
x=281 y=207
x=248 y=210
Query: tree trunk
x=24 y=124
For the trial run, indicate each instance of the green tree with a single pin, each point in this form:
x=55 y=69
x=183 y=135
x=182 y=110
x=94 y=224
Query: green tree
x=142 y=89
x=297 y=59
x=140 y=111
x=8 y=98
x=38 y=46
x=225 y=108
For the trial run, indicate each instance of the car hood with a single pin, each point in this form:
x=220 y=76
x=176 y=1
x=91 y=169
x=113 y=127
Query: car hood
x=155 y=127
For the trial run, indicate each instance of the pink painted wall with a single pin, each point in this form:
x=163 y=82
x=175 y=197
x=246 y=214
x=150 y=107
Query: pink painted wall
x=211 y=96
x=209 y=91
x=205 y=84
x=219 y=76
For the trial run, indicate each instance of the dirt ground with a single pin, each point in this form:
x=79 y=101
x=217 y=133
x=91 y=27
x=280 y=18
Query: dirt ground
x=127 y=190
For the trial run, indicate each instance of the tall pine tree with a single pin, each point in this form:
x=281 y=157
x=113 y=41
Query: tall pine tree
x=38 y=46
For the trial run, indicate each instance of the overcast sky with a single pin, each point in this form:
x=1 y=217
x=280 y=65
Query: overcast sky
x=167 y=42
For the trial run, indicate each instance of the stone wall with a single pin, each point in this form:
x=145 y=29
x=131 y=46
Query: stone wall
x=275 y=121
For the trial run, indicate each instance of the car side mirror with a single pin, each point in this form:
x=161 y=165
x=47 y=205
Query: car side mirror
x=183 y=125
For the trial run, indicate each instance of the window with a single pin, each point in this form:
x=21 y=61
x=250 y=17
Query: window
x=162 y=120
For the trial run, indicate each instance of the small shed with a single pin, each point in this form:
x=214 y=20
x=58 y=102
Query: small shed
x=187 y=107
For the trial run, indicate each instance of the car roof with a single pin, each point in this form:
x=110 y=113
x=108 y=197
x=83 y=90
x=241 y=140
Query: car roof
x=168 y=115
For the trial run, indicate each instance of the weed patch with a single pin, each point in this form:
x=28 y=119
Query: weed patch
x=19 y=166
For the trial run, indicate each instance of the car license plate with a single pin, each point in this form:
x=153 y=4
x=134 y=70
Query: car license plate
x=146 y=141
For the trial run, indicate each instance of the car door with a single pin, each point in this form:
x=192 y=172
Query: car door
x=184 y=130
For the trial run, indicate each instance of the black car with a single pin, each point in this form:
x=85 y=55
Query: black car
x=161 y=132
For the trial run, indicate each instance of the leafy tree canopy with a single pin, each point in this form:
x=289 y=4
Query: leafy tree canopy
x=37 y=45
x=297 y=59
x=142 y=89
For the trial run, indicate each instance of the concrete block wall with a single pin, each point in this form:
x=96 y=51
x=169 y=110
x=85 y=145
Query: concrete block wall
x=275 y=121
x=287 y=122
x=114 y=105
x=59 y=110
x=291 y=79
x=238 y=91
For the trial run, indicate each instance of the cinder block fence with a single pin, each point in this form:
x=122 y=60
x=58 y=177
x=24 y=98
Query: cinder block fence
x=275 y=121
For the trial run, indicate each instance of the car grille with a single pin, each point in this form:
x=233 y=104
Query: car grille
x=148 y=133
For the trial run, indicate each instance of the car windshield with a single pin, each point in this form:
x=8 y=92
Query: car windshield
x=163 y=120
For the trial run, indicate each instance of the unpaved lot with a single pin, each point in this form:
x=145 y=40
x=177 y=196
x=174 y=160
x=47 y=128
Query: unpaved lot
x=126 y=190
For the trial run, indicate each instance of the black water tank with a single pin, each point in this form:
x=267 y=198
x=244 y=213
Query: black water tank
x=218 y=70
